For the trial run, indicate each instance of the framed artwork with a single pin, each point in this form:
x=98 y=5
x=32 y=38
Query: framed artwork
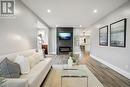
x=103 y=36
x=118 y=33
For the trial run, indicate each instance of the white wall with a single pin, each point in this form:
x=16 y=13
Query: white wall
x=52 y=41
x=116 y=57
x=76 y=44
x=18 y=33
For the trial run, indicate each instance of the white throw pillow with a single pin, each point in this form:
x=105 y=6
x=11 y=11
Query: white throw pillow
x=34 y=59
x=24 y=64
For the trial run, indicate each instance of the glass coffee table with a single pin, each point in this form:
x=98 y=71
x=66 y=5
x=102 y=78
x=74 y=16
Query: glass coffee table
x=75 y=73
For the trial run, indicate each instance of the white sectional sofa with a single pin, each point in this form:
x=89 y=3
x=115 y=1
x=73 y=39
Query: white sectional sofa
x=36 y=75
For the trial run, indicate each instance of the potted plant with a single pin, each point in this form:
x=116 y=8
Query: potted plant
x=72 y=57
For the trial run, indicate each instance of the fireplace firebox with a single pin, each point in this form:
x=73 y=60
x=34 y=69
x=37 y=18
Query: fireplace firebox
x=65 y=49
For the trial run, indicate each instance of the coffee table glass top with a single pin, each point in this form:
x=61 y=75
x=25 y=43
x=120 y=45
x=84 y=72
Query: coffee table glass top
x=74 y=71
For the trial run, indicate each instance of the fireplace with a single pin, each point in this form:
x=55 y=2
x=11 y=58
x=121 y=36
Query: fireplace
x=65 y=49
x=64 y=40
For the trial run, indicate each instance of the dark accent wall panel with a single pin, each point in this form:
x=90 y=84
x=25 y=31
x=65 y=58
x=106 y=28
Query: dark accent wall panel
x=64 y=46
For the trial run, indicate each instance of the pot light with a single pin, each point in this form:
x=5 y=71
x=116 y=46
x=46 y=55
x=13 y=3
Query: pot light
x=80 y=25
x=56 y=25
x=48 y=11
x=95 y=11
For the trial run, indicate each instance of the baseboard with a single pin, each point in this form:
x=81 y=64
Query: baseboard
x=77 y=52
x=122 y=72
x=52 y=52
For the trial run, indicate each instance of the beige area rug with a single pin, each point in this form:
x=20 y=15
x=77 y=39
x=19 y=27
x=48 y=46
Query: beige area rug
x=54 y=79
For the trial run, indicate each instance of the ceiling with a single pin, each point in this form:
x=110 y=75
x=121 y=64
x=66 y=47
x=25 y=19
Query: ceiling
x=72 y=13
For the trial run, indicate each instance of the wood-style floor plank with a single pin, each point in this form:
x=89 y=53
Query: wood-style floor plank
x=112 y=77
x=107 y=76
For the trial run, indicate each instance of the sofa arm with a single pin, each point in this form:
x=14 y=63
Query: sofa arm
x=16 y=83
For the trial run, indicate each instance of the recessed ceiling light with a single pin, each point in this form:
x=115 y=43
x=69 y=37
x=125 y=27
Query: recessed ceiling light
x=48 y=10
x=80 y=25
x=56 y=25
x=95 y=11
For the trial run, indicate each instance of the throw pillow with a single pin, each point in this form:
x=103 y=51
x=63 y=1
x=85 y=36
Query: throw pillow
x=24 y=64
x=31 y=61
x=34 y=59
x=9 y=69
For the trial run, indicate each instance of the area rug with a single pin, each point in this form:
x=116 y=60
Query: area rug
x=54 y=79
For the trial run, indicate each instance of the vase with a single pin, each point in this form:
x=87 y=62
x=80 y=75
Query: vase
x=70 y=61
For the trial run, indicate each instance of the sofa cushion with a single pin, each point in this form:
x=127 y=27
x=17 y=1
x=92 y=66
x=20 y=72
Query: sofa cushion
x=15 y=82
x=9 y=69
x=38 y=73
x=24 y=64
x=34 y=59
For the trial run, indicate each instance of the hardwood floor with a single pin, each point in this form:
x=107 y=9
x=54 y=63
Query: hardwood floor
x=107 y=76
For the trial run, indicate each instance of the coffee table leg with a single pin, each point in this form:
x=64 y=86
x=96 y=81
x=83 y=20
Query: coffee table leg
x=87 y=81
x=61 y=81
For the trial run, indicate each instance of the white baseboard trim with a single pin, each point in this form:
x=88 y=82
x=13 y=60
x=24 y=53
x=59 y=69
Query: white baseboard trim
x=122 y=72
x=52 y=52
x=77 y=52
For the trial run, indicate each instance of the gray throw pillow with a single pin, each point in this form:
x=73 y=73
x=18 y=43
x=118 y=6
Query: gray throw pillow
x=9 y=69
